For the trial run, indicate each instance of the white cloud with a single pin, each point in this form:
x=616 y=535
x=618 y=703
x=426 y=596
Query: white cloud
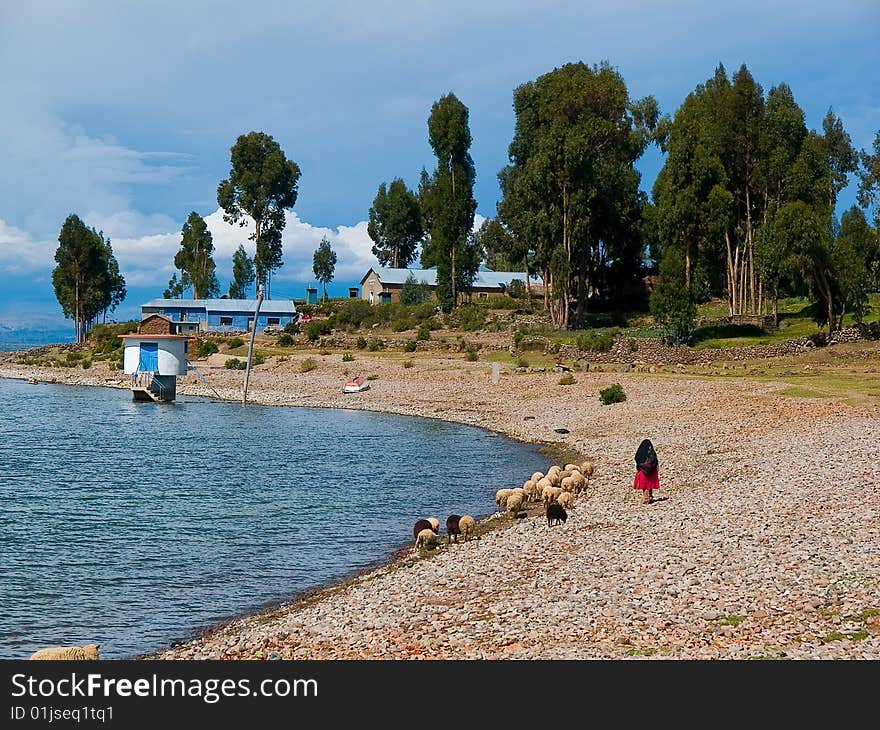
x=20 y=253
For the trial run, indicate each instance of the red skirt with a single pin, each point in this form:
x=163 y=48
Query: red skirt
x=647 y=481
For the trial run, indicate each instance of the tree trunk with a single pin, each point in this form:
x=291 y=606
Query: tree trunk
x=687 y=264
x=257 y=230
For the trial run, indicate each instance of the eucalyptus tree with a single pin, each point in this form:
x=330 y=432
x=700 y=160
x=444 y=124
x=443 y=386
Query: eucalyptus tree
x=243 y=274
x=395 y=225
x=447 y=201
x=262 y=184
x=195 y=259
x=869 y=180
x=324 y=263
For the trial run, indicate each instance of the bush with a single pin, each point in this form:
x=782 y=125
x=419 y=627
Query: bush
x=86 y=363
x=672 y=306
x=408 y=363
x=409 y=346
x=595 y=341
x=522 y=362
x=258 y=359
x=424 y=311
x=355 y=313
x=361 y=343
x=73 y=356
x=518 y=336
x=372 y=377
x=401 y=325
x=375 y=345
x=567 y=379
x=516 y=289
x=317 y=328
x=285 y=340
x=612 y=394
x=207 y=347
x=347 y=357
x=470 y=317
x=412 y=292
x=233 y=363
x=424 y=332
x=291 y=328
x=234 y=342
x=471 y=355
x=308 y=365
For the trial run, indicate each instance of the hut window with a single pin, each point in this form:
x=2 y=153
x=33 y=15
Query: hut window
x=226 y=321
x=273 y=321
x=483 y=295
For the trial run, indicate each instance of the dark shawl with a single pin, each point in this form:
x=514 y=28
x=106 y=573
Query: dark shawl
x=646 y=457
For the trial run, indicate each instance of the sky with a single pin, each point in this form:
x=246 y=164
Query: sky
x=124 y=111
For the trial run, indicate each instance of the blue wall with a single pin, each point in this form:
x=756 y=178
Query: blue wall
x=239 y=319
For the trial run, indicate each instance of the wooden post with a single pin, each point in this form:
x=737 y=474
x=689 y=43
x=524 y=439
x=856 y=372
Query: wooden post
x=247 y=369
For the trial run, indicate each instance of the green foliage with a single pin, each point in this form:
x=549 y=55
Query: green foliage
x=401 y=325
x=324 y=263
x=408 y=363
x=596 y=341
x=258 y=359
x=671 y=303
x=308 y=365
x=612 y=394
x=195 y=259
x=361 y=343
x=516 y=289
x=233 y=363
x=395 y=226
x=86 y=277
x=375 y=345
x=262 y=183
x=470 y=317
x=317 y=328
x=285 y=340
x=372 y=377
x=291 y=328
x=471 y=354
x=355 y=313
x=243 y=274
x=207 y=347
x=424 y=332
x=567 y=379
x=347 y=357
x=522 y=362
x=234 y=342
x=410 y=346
x=413 y=292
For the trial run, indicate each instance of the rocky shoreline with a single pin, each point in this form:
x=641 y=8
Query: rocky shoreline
x=765 y=542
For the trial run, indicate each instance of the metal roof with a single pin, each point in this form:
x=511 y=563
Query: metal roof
x=269 y=306
x=485 y=279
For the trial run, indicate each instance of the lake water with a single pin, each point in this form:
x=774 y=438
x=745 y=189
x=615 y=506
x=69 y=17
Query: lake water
x=135 y=524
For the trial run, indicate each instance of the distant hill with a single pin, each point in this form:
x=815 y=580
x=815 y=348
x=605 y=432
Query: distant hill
x=22 y=338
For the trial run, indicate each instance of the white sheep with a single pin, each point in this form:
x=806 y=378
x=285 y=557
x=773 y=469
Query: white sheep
x=566 y=499
x=501 y=497
x=435 y=523
x=565 y=473
x=587 y=470
x=542 y=484
x=571 y=467
x=538 y=475
x=554 y=477
x=515 y=503
x=578 y=481
x=426 y=539
x=550 y=494
x=87 y=652
x=531 y=491
x=567 y=484
x=467 y=525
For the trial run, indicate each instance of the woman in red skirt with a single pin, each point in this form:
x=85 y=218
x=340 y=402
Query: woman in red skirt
x=647 y=474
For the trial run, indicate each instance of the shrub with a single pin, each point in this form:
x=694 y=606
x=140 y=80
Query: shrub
x=86 y=363
x=409 y=346
x=408 y=363
x=375 y=345
x=258 y=359
x=470 y=317
x=412 y=292
x=567 y=379
x=316 y=328
x=401 y=325
x=424 y=332
x=73 y=356
x=234 y=342
x=518 y=336
x=207 y=347
x=471 y=355
x=516 y=288
x=361 y=343
x=285 y=340
x=672 y=305
x=595 y=341
x=355 y=313
x=424 y=311
x=233 y=363
x=308 y=365
x=291 y=328
x=372 y=377
x=612 y=394
x=522 y=362
x=347 y=357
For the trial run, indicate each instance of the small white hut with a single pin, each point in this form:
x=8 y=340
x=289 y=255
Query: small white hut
x=154 y=361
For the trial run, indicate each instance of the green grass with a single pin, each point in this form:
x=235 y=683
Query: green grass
x=731 y=620
x=647 y=651
x=868 y=613
x=840 y=636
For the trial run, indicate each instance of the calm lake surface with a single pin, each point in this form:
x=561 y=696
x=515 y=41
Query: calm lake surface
x=134 y=524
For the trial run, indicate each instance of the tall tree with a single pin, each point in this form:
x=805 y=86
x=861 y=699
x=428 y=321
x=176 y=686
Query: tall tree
x=869 y=180
x=324 y=263
x=176 y=287
x=243 y=274
x=86 y=277
x=447 y=200
x=395 y=224
x=195 y=259
x=501 y=249
x=571 y=187
x=262 y=184
x=856 y=258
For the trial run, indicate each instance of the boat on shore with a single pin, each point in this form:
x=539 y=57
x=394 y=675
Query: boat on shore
x=355 y=386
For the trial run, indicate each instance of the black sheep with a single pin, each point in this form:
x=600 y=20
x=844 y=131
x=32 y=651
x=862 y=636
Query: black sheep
x=422 y=525
x=556 y=514
x=452 y=527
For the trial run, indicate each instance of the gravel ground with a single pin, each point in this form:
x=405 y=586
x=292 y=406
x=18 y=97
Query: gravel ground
x=764 y=542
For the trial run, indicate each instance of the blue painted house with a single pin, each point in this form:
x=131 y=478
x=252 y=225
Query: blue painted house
x=223 y=315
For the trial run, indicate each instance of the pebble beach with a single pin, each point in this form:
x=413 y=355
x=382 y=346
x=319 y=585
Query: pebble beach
x=764 y=542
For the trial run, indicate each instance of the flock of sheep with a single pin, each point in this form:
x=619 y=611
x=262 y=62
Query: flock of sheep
x=556 y=490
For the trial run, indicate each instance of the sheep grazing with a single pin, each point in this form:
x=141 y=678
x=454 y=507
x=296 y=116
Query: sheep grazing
x=426 y=539
x=531 y=491
x=452 y=528
x=565 y=473
x=501 y=497
x=578 y=481
x=435 y=524
x=556 y=514
x=467 y=526
x=587 y=470
x=550 y=494
x=515 y=503
x=537 y=476
x=566 y=499
x=555 y=478
x=571 y=467
x=543 y=484
x=567 y=484
x=424 y=525
x=87 y=652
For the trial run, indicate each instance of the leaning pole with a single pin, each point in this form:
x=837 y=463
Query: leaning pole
x=247 y=369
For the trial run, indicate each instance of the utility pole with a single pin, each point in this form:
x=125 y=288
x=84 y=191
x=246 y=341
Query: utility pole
x=247 y=370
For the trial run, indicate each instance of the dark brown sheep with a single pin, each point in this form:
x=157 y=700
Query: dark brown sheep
x=452 y=528
x=422 y=525
x=556 y=514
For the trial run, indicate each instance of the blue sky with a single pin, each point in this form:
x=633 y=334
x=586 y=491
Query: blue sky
x=124 y=111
